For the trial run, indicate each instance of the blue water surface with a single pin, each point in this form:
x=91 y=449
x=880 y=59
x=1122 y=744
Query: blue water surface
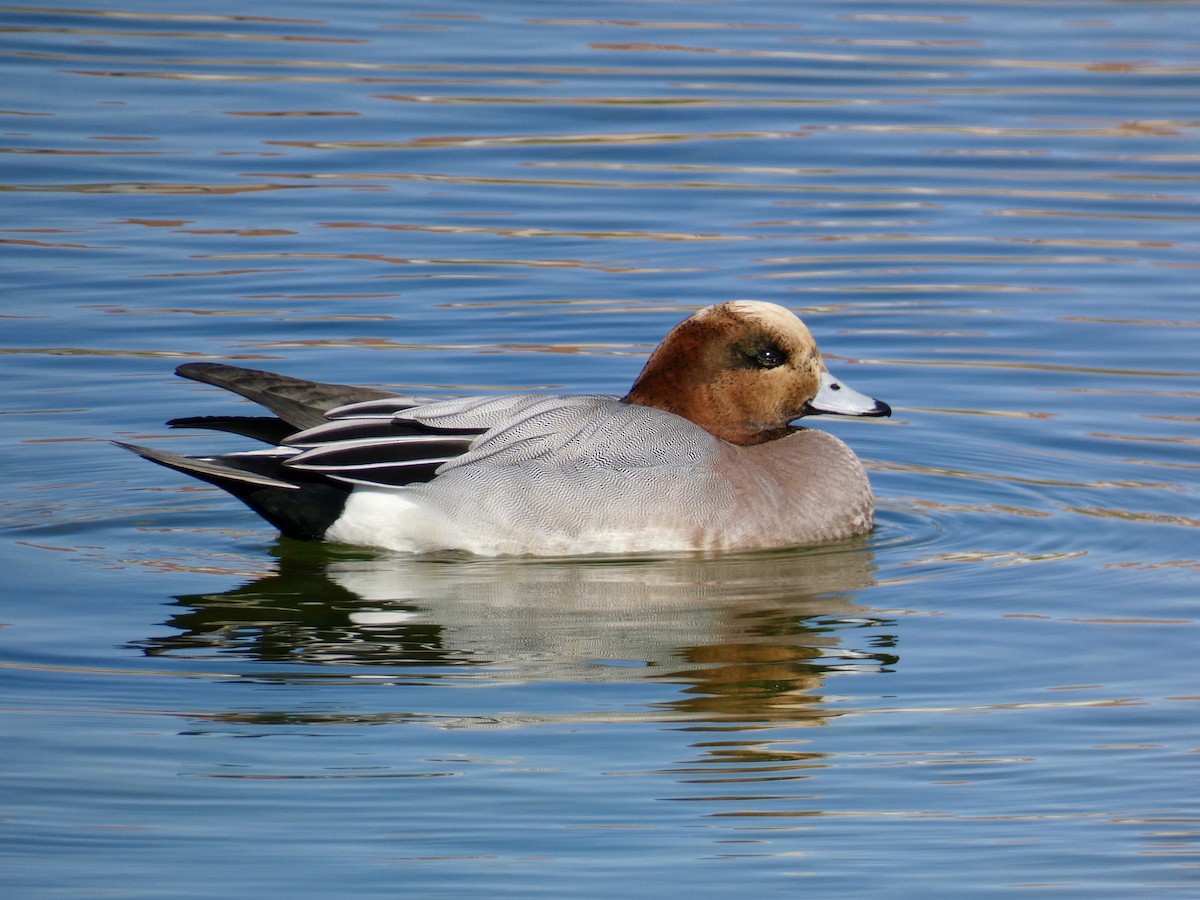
x=986 y=212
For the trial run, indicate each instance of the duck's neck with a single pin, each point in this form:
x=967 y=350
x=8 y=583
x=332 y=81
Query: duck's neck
x=701 y=404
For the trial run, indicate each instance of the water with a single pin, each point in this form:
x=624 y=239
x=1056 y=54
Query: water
x=987 y=212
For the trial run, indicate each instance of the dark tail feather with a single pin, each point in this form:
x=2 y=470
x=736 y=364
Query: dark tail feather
x=301 y=505
x=301 y=404
x=268 y=429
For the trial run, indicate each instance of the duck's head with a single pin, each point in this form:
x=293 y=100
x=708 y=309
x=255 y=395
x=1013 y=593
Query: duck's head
x=743 y=371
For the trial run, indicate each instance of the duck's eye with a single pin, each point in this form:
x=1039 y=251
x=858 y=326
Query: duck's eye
x=770 y=357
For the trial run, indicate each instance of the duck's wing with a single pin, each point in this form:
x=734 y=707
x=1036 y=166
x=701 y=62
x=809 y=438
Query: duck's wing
x=379 y=443
x=389 y=442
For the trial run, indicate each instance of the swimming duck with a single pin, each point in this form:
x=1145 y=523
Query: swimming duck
x=700 y=455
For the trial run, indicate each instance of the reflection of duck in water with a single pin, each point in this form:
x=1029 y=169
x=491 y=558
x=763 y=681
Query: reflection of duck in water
x=741 y=633
x=699 y=455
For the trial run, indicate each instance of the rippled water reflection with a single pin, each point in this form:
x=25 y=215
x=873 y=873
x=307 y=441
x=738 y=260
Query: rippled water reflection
x=985 y=211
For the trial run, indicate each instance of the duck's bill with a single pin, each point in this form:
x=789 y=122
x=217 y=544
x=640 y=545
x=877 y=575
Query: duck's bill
x=836 y=399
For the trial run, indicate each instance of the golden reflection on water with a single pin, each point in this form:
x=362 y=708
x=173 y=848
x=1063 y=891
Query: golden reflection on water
x=145 y=354
x=158 y=187
x=701 y=102
x=534 y=232
x=780 y=188
x=538 y=263
x=869 y=61
x=639 y=23
x=147 y=16
x=598 y=138
x=261 y=37
x=1143 y=517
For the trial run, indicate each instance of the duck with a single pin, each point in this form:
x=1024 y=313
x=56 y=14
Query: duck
x=702 y=455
